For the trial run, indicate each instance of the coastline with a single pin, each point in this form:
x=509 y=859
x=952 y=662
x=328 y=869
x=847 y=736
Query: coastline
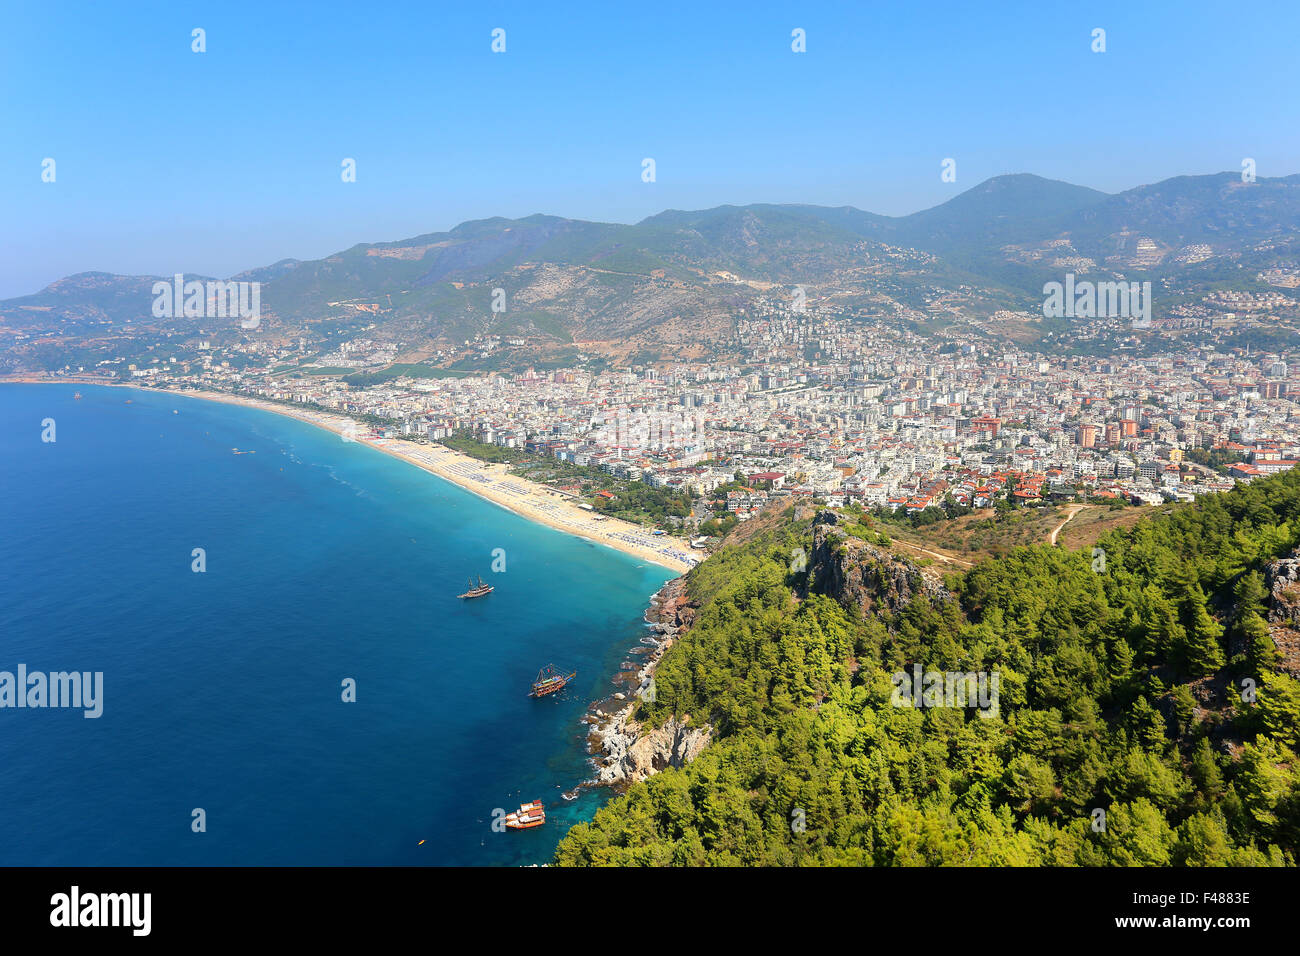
x=622 y=751
x=491 y=482
x=446 y=677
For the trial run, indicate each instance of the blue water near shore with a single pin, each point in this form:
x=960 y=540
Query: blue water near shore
x=223 y=691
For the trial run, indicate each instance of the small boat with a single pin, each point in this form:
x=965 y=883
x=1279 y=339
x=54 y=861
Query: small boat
x=549 y=680
x=527 y=816
x=476 y=590
x=76 y=395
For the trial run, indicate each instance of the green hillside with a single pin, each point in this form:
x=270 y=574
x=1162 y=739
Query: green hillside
x=1121 y=693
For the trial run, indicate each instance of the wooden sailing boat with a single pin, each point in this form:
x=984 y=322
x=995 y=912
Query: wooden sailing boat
x=549 y=680
x=476 y=590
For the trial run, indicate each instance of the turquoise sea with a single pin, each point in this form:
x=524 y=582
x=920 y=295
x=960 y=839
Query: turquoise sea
x=325 y=560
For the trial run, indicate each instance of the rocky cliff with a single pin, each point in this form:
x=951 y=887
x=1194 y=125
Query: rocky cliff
x=632 y=753
x=1282 y=578
x=623 y=751
x=860 y=574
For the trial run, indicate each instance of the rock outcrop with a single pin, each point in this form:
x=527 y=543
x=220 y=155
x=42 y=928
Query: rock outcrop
x=632 y=753
x=623 y=750
x=1282 y=578
x=671 y=609
x=860 y=574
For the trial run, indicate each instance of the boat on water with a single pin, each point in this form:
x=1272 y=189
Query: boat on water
x=529 y=815
x=76 y=395
x=476 y=590
x=549 y=680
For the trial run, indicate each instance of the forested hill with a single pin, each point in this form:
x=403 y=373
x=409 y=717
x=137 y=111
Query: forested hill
x=1121 y=735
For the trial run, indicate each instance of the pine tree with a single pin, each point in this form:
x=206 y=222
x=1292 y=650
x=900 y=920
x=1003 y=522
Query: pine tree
x=1184 y=707
x=1205 y=772
x=1201 y=652
x=1261 y=651
x=1279 y=706
x=1121 y=659
x=1161 y=632
x=1249 y=594
x=1249 y=627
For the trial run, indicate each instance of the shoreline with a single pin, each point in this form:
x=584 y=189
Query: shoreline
x=622 y=752
x=491 y=482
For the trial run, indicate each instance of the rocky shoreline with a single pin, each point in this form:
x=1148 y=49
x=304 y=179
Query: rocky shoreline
x=622 y=752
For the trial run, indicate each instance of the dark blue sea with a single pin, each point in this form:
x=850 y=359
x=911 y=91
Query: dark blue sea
x=325 y=560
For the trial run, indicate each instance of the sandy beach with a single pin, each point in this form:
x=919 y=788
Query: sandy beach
x=539 y=503
x=491 y=482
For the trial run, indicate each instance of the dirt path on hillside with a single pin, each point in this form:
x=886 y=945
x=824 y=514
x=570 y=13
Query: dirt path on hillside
x=1073 y=510
x=935 y=554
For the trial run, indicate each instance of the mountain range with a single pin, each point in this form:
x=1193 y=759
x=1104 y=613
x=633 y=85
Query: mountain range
x=678 y=278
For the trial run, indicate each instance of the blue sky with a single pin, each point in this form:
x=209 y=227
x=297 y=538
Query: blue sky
x=169 y=160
